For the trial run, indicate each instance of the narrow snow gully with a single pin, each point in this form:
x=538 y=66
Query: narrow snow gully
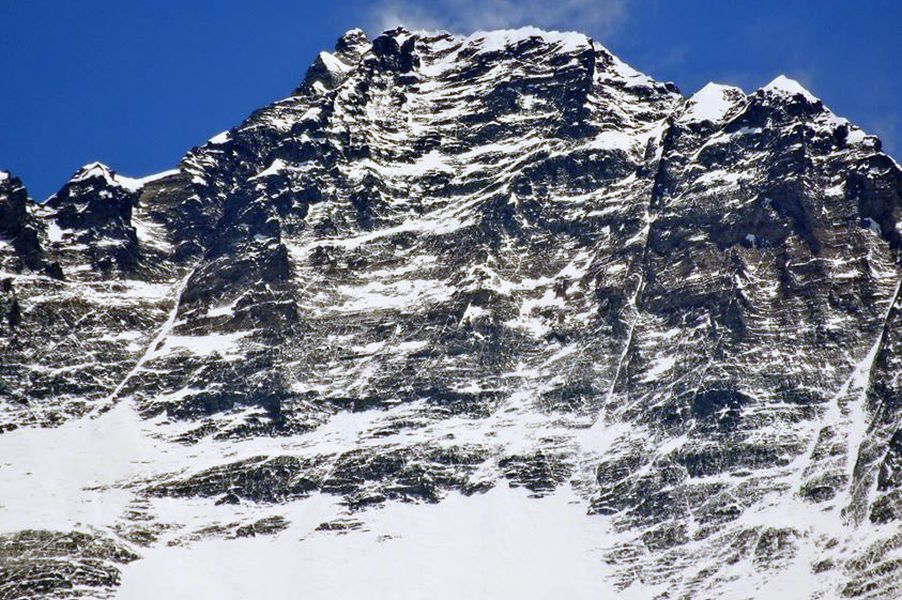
x=590 y=437
x=846 y=417
x=108 y=402
x=858 y=413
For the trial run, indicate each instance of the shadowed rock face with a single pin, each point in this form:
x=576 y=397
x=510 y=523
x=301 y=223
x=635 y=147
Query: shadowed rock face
x=451 y=263
x=20 y=231
x=39 y=563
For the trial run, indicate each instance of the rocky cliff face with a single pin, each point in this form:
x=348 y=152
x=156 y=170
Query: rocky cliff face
x=455 y=266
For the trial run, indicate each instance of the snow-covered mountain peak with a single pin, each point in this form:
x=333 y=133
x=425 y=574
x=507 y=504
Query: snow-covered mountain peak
x=10 y=185
x=712 y=103
x=502 y=39
x=104 y=174
x=352 y=40
x=783 y=85
x=93 y=169
x=456 y=282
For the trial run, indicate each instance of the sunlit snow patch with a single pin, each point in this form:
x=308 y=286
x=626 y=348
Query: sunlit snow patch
x=501 y=544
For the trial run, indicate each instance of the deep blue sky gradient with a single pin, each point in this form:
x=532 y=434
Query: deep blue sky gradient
x=136 y=84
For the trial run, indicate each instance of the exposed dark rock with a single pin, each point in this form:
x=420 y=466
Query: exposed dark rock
x=54 y=564
x=446 y=262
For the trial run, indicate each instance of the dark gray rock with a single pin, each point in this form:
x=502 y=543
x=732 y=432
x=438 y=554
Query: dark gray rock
x=446 y=262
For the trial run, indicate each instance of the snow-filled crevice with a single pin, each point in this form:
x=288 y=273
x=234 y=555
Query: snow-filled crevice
x=845 y=418
x=633 y=307
x=164 y=331
x=858 y=413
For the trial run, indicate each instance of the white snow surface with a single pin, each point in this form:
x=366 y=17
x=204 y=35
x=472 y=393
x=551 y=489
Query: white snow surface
x=659 y=367
x=612 y=140
x=220 y=138
x=785 y=85
x=60 y=478
x=711 y=103
x=94 y=169
x=333 y=63
x=225 y=344
x=136 y=183
x=98 y=169
x=500 y=544
x=493 y=41
x=54 y=232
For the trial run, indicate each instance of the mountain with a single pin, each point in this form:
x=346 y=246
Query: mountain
x=482 y=316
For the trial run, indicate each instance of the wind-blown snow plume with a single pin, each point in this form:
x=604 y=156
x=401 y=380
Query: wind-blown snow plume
x=599 y=17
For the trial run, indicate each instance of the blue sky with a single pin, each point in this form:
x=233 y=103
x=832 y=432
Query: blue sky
x=136 y=84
